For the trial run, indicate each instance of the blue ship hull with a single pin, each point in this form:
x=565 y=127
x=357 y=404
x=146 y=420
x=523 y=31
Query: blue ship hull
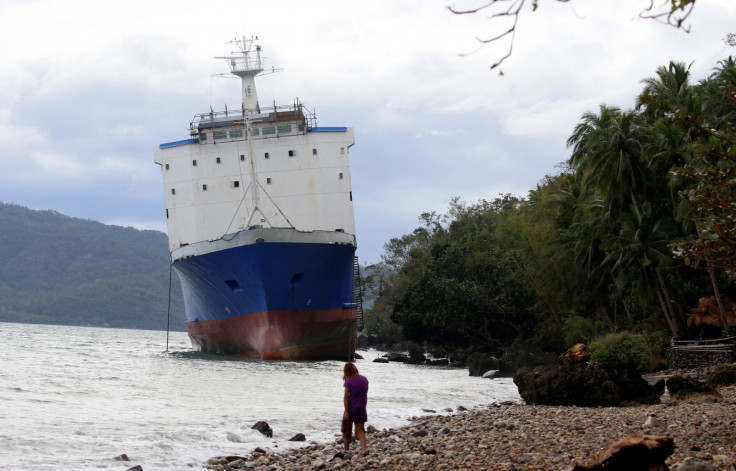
x=272 y=300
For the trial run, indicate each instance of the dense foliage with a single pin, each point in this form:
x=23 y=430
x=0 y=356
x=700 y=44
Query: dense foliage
x=636 y=227
x=55 y=269
x=620 y=349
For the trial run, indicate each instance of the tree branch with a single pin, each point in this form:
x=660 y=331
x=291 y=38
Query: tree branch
x=678 y=12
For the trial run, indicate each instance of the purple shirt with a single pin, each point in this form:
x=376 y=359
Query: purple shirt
x=358 y=388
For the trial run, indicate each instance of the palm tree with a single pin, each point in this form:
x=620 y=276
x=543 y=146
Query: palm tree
x=607 y=150
x=643 y=245
x=719 y=105
x=667 y=91
x=590 y=225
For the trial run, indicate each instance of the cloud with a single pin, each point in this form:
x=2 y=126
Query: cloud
x=88 y=88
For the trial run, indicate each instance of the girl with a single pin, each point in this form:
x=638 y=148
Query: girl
x=355 y=400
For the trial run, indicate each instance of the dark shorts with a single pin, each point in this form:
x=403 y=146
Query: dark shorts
x=358 y=416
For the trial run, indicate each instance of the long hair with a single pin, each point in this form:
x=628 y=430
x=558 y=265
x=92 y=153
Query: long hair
x=349 y=371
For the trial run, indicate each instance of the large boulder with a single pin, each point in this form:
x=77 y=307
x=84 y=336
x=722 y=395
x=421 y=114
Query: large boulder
x=581 y=384
x=682 y=388
x=397 y=356
x=416 y=356
x=721 y=375
x=576 y=385
x=578 y=353
x=478 y=366
x=633 y=387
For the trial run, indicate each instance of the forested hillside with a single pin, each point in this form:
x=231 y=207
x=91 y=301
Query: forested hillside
x=639 y=224
x=55 y=269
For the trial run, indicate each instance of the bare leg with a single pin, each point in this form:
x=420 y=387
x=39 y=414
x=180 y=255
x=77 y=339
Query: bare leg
x=360 y=434
x=346 y=439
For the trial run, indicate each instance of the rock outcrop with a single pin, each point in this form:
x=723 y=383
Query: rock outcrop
x=478 y=366
x=416 y=357
x=397 y=356
x=722 y=375
x=682 y=388
x=587 y=385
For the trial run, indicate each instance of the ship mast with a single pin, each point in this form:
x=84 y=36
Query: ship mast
x=246 y=63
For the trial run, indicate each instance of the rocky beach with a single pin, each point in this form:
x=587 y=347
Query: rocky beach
x=512 y=436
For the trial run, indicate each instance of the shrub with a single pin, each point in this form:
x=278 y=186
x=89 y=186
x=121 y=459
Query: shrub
x=622 y=349
x=578 y=329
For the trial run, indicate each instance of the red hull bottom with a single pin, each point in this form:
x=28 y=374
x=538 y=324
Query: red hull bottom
x=321 y=334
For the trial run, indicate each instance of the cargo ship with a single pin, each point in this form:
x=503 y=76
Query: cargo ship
x=261 y=228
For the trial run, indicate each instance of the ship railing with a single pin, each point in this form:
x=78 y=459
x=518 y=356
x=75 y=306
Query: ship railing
x=244 y=65
x=296 y=111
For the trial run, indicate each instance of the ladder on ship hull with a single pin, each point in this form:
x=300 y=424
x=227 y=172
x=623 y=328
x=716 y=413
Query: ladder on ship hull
x=358 y=292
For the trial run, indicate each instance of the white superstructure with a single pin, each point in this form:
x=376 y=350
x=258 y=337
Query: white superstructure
x=256 y=167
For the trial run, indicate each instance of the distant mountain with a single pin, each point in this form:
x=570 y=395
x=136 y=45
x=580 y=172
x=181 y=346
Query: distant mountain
x=55 y=269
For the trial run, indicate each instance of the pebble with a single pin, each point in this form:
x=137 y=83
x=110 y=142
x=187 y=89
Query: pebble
x=529 y=437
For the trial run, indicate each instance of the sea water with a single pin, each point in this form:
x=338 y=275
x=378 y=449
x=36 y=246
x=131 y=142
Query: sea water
x=74 y=398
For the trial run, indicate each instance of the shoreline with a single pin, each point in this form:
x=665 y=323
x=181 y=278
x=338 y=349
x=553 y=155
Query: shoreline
x=522 y=437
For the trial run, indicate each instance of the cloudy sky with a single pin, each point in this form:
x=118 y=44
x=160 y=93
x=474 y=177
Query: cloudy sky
x=88 y=88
